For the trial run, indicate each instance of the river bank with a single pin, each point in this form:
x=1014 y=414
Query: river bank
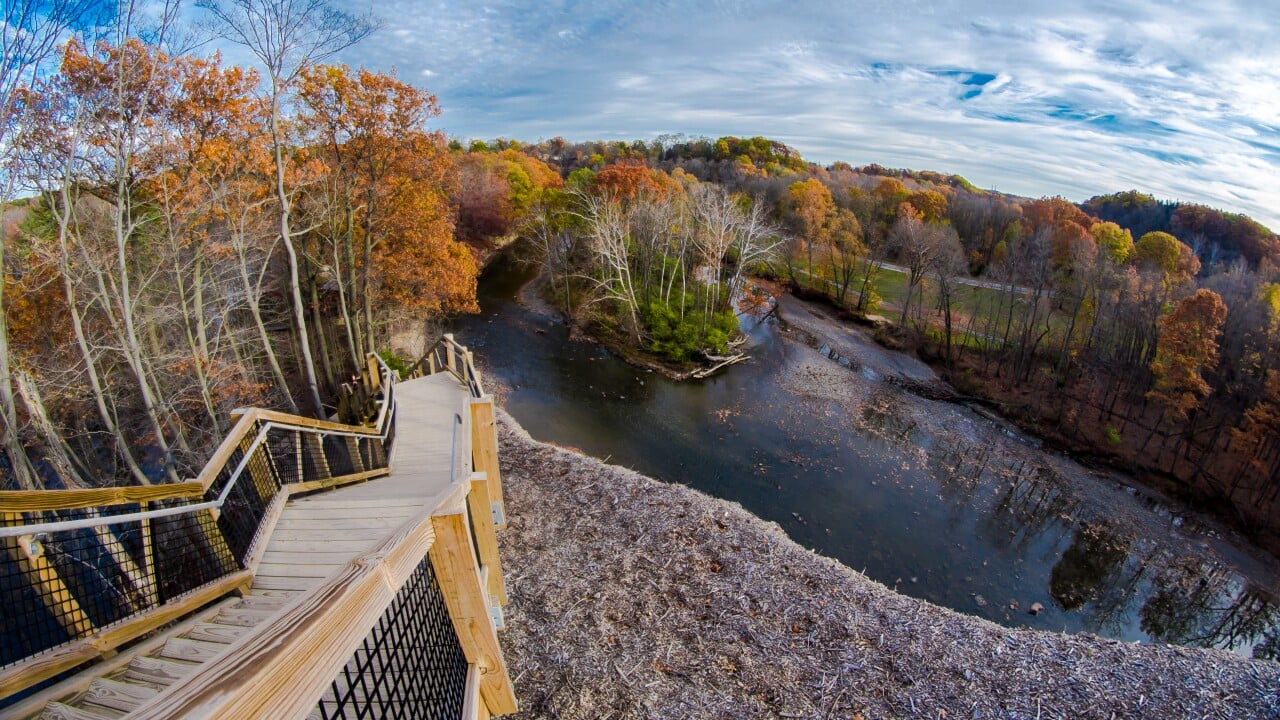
x=633 y=598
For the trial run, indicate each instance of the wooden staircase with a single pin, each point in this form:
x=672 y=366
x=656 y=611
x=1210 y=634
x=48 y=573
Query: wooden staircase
x=121 y=684
x=328 y=549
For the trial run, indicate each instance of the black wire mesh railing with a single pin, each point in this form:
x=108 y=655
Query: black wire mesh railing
x=70 y=572
x=409 y=666
x=60 y=585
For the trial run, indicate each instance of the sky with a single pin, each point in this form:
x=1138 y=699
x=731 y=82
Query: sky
x=1179 y=99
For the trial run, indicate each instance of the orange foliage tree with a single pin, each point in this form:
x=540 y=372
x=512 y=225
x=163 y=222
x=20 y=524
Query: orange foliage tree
x=387 y=197
x=1186 y=348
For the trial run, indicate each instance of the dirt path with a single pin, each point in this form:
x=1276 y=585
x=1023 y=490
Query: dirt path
x=632 y=598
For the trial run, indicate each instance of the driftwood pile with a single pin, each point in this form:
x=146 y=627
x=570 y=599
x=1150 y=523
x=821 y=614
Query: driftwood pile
x=632 y=598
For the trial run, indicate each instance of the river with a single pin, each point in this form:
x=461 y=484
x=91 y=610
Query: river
x=925 y=496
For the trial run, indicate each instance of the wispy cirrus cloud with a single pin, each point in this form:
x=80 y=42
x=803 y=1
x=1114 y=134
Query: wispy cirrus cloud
x=1180 y=99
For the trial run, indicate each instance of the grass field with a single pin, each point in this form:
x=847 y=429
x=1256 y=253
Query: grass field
x=891 y=286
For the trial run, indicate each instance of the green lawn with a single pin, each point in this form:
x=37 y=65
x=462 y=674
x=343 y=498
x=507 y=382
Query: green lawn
x=968 y=300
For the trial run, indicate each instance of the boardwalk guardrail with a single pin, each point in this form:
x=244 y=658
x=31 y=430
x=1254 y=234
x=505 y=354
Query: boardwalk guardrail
x=369 y=642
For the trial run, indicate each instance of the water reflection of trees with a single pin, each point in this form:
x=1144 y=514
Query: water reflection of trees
x=1105 y=573
x=885 y=416
x=1099 y=576
x=1195 y=602
x=1030 y=504
x=960 y=467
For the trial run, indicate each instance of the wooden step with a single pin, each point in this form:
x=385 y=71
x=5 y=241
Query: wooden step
x=336 y=526
x=290 y=544
x=298 y=559
x=323 y=534
x=216 y=632
x=291 y=584
x=131 y=665
x=281 y=570
x=61 y=711
x=118 y=695
x=271 y=594
x=260 y=602
x=243 y=618
x=157 y=671
x=191 y=650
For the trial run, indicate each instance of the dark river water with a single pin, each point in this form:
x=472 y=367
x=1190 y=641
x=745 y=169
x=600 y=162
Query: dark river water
x=924 y=496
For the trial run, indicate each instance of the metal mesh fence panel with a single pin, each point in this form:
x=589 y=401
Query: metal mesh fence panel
x=410 y=666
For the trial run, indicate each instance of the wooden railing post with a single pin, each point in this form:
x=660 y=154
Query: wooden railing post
x=486 y=538
x=28 y=553
x=374 y=375
x=484 y=455
x=450 y=354
x=149 y=555
x=466 y=598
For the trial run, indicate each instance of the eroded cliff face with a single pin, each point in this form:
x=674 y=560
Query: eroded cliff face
x=634 y=598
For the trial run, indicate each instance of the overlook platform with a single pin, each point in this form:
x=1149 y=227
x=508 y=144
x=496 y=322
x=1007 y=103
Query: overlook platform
x=369 y=585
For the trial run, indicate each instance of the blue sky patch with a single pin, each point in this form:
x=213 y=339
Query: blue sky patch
x=1181 y=99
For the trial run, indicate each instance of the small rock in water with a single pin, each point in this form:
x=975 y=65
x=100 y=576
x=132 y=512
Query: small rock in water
x=1036 y=609
x=981 y=601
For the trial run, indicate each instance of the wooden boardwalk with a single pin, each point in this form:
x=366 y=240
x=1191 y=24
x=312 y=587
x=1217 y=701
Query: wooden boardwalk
x=318 y=534
x=314 y=537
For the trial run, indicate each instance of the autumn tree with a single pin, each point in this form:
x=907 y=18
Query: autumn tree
x=930 y=204
x=1187 y=348
x=385 y=166
x=29 y=35
x=845 y=251
x=946 y=265
x=287 y=36
x=916 y=243
x=624 y=181
x=810 y=207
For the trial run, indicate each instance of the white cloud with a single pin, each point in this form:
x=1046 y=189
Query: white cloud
x=1182 y=100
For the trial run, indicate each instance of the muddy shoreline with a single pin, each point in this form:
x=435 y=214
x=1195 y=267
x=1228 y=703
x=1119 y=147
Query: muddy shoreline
x=633 y=598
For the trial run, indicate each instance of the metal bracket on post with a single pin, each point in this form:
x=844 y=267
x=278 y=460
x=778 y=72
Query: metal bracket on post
x=495 y=612
x=499 y=519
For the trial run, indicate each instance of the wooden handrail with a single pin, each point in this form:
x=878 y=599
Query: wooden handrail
x=45 y=500
x=262 y=676
x=449 y=355
x=16 y=532
x=15 y=501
